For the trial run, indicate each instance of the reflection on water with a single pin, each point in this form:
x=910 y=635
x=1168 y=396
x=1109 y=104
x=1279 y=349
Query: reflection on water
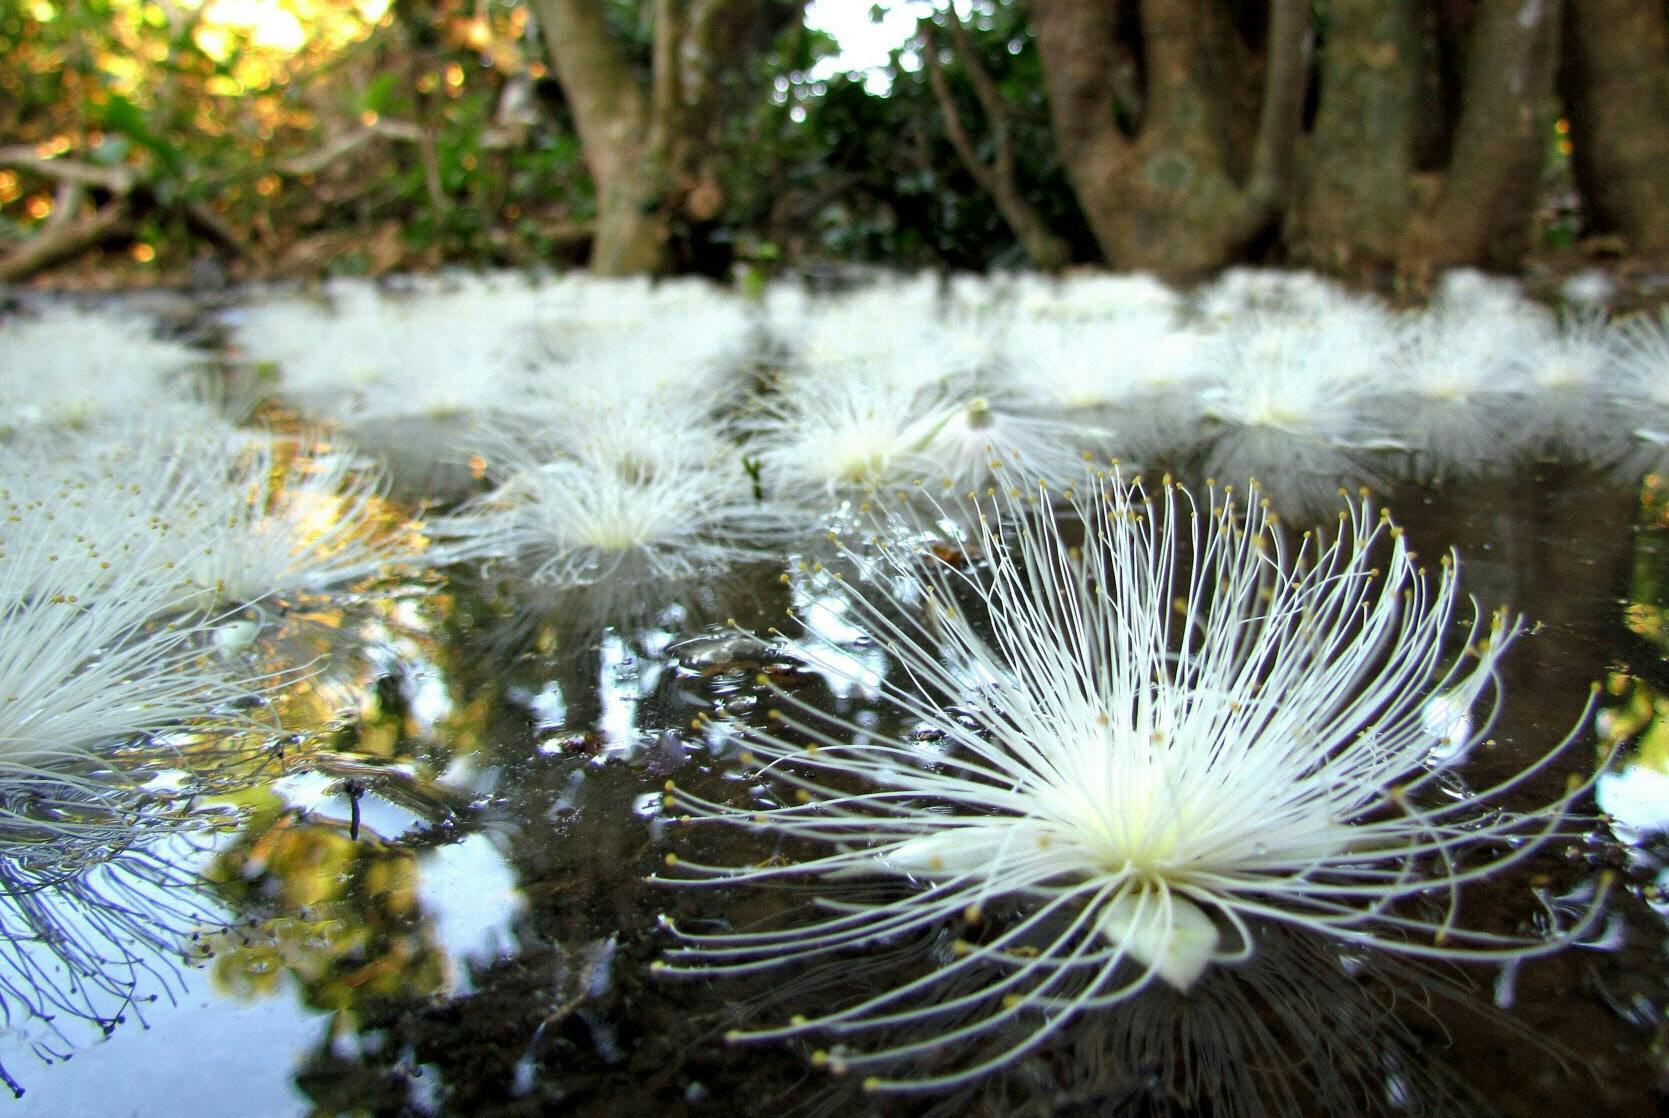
x=437 y=902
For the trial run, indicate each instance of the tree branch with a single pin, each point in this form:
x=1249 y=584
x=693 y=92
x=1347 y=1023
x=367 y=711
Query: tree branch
x=990 y=100
x=117 y=180
x=68 y=239
x=959 y=139
x=997 y=178
x=664 y=75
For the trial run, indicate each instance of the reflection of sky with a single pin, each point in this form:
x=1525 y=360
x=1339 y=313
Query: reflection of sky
x=841 y=652
x=469 y=892
x=123 y=1075
x=1637 y=798
x=327 y=795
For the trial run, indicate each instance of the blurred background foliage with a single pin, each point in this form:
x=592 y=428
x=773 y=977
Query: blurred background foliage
x=206 y=140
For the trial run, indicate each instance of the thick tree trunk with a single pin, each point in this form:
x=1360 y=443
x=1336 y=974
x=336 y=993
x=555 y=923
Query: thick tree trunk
x=649 y=139
x=1484 y=212
x=1615 y=82
x=612 y=115
x=1358 y=193
x=1184 y=195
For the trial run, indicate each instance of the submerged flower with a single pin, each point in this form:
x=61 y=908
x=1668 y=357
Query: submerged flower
x=1137 y=748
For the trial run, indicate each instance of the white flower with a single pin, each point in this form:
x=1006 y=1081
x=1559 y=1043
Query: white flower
x=373 y=356
x=1643 y=355
x=1291 y=398
x=889 y=334
x=1590 y=289
x=214 y=520
x=1456 y=389
x=1136 y=373
x=585 y=521
x=823 y=437
x=1089 y=296
x=84 y=670
x=1134 y=749
x=1239 y=290
x=1570 y=367
x=70 y=368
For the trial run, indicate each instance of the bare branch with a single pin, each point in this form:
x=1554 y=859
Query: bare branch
x=664 y=74
x=996 y=111
x=117 y=180
x=403 y=131
x=1044 y=248
x=46 y=248
x=954 y=128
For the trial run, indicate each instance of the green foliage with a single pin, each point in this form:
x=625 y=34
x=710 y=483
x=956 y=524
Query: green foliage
x=835 y=171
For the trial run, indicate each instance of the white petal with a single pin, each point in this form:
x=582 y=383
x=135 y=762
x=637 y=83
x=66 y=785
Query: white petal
x=1178 y=941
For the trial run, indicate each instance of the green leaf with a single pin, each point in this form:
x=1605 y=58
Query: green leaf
x=118 y=114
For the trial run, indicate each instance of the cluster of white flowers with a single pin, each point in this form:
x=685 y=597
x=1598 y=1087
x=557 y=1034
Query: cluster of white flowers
x=1146 y=724
x=1280 y=375
x=63 y=367
x=148 y=551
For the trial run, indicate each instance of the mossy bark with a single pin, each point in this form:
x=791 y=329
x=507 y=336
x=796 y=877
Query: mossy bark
x=1187 y=190
x=1357 y=188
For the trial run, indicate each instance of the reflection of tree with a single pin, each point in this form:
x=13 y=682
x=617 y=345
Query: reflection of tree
x=1647 y=610
x=1300 y=1029
x=339 y=916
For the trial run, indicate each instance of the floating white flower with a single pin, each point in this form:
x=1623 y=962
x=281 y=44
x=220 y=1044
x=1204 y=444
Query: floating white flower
x=1570 y=366
x=373 y=357
x=218 y=520
x=1290 y=400
x=72 y=367
x=1137 y=373
x=827 y=437
x=1133 y=750
x=1454 y=396
x=588 y=521
x=1090 y=296
x=85 y=670
x=1643 y=355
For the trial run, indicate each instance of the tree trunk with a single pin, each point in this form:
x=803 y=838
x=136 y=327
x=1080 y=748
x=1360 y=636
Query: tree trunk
x=1484 y=212
x=1183 y=195
x=1615 y=82
x=650 y=139
x=612 y=115
x=1357 y=195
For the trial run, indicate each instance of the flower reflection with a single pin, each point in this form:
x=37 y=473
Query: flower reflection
x=99 y=942
x=1302 y=1027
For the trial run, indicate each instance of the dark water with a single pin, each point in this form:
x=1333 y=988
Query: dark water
x=442 y=906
